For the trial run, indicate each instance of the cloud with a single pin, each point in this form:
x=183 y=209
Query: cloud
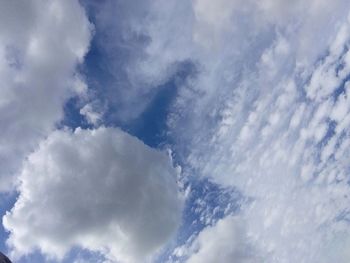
x=269 y=117
x=40 y=45
x=224 y=242
x=102 y=190
x=136 y=58
x=92 y=115
x=266 y=112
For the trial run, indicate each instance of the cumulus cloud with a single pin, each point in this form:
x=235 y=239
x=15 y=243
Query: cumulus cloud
x=225 y=242
x=41 y=43
x=267 y=113
x=102 y=190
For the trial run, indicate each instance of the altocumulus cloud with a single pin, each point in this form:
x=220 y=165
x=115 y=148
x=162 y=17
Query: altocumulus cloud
x=102 y=190
x=270 y=112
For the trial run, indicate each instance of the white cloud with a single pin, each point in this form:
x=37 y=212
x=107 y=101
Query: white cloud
x=92 y=115
x=264 y=112
x=137 y=56
x=262 y=107
x=225 y=242
x=102 y=190
x=266 y=118
x=41 y=43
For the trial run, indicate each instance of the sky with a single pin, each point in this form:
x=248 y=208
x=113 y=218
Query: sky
x=178 y=131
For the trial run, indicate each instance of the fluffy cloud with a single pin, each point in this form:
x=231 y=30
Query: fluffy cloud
x=41 y=43
x=102 y=190
x=224 y=242
x=268 y=113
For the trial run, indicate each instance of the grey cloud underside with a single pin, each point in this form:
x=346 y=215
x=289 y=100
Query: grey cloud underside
x=40 y=45
x=101 y=189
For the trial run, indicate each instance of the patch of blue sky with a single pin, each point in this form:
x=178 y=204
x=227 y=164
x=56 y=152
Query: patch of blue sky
x=151 y=125
x=329 y=133
x=206 y=204
x=7 y=200
x=341 y=89
x=332 y=125
x=72 y=117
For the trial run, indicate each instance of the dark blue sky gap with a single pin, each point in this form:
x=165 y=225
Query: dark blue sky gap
x=150 y=126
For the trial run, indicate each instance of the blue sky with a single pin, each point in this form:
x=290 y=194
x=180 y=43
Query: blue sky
x=178 y=131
